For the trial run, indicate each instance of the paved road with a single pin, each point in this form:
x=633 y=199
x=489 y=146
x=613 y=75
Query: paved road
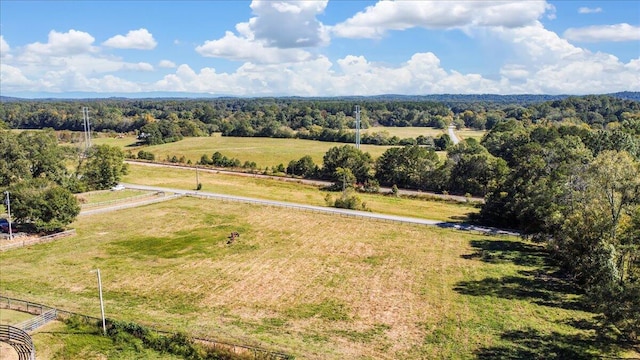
x=319 y=183
x=328 y=210
x=452 y=135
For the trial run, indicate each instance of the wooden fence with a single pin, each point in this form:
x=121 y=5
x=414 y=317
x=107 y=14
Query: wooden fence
x=37 y=240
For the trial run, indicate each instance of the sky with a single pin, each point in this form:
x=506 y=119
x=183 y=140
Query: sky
x=318 y=48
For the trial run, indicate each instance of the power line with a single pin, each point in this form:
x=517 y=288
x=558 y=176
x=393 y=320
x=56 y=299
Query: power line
x=357 y=126
x=87 y=128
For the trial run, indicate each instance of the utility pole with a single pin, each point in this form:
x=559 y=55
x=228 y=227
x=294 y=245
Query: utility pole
x=357 y=126
x=87 y=128
x=197 y=179
x=104 y=325
x=9 y=214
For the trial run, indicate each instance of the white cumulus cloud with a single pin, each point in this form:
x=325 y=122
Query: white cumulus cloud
x=141 y=66
x=140 y=39
x=63 y=44
x=277 y=33
x=288 y=24
x=587 y=10
x=167 y=64
x=552 y=65
x=241 y=48
x=12 y=78
x=376 y=20
x=599 y=33
x=4 y=47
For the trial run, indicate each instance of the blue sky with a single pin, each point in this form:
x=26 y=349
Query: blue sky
x=318 y=48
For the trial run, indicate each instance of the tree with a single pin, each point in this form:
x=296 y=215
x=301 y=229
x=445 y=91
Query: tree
x=471 y=169
x=43 y=205
x=46 y=158
x=535 y=191
x=443 y=142
x=104 y=168
x=14 y=162
x=598 y=241
x=409 y=166
x=347 y=157
x=344 y=179
x=304 y=167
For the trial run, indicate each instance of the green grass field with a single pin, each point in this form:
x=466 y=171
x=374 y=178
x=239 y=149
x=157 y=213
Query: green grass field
x=407 y=132
x=58 y=340
x=264 y=151
x=469 y=133
x=97 y=197
x=314 y=285
x=271 y=189
x=11 y=317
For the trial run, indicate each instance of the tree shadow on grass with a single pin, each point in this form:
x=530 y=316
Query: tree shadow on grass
x=535 y=286
x=542 y=286
x=531 y=344
x=500 y=251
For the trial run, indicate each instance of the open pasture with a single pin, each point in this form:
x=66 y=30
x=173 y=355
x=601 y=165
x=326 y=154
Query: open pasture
x=12 y=317
x=267 y=151
x=104 y=196
x=273 y=189
x=263 y=151
x=314 y=285
x=470 y=134
x=414 y=132
x=406 y=132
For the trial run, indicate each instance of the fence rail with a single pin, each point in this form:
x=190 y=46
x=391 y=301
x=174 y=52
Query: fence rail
x=40 y=320
x=116 y=201
x=19 y=340
x=40 y=309
x=38 y=240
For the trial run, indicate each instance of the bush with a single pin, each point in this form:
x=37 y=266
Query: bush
x=146 y=155
x=349 y=200
x=371 y=186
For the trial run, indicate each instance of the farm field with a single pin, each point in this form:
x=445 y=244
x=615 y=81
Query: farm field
x=470 y=134
x=414 y=132
x=313 y=285
x=263 y=151
x=270 y=189
x=267 y=151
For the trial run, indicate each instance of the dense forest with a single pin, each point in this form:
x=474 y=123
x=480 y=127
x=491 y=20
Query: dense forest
x=166 y=120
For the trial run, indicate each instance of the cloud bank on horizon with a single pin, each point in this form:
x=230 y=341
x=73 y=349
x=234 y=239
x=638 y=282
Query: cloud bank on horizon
x=318 y=48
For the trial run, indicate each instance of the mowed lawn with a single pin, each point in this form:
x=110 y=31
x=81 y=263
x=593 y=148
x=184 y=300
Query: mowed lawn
x=274 y=189
x=317 y=286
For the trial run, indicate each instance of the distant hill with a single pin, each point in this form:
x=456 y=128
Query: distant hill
x=523 y=99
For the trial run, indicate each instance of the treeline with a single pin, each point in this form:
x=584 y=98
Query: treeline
x=37 y=173
x=470 y=167
x=577 y=191
x=166 y=120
